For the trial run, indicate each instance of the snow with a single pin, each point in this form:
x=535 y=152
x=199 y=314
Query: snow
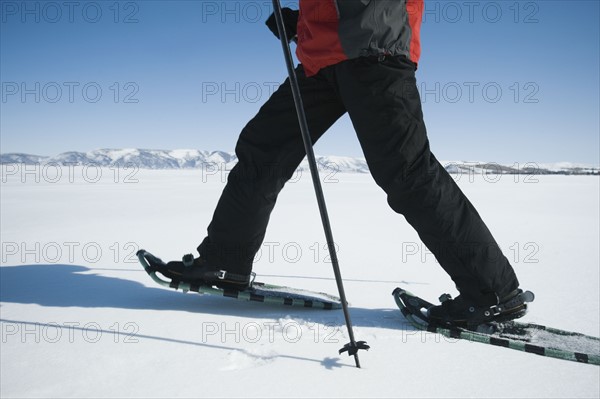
x=80 y=318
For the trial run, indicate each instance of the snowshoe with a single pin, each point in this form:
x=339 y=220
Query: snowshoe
x=255 y=292
x=527 y=337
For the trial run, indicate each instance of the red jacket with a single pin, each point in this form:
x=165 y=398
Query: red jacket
x=331 y=31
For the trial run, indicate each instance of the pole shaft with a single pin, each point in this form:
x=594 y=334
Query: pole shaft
x=308 y=145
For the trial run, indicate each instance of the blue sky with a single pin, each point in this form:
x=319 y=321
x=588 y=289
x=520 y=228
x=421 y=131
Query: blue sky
x=501 y=81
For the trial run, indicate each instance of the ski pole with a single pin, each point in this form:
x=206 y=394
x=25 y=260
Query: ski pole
x=353 y=347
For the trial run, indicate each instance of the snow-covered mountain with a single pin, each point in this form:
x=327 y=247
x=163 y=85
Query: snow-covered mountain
x=525 y=168
x=171 y=159
x=145 y=159
x=192 y=159
x=27 y=159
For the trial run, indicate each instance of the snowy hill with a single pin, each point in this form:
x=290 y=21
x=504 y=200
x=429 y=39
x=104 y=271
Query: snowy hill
x=27 y=159
x=195 y=159
x=144 y=159
x=526 y=168
x=170 y=159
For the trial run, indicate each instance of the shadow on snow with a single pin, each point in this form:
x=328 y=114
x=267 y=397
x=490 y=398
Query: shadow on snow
x=60 y=285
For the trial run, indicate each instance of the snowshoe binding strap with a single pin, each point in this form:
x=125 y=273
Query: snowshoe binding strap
x=516 y=305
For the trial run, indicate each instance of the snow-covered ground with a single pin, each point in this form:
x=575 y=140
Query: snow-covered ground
x=80 y=318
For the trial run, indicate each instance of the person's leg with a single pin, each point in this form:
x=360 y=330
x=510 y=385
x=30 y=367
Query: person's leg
x=269 y=150
x=383 y=103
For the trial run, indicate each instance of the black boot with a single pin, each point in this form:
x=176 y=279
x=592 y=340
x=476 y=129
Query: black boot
x=198 y=272
x=463 y=312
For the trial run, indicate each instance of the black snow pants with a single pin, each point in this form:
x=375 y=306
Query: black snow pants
x=380 y=95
